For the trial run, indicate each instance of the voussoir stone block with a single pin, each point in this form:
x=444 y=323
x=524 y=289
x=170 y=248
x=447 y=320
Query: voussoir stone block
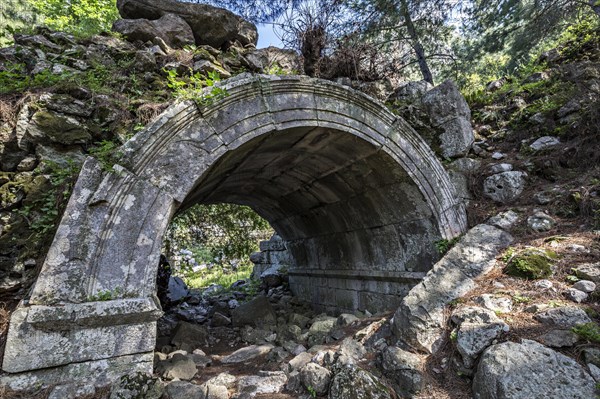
x=420 y=320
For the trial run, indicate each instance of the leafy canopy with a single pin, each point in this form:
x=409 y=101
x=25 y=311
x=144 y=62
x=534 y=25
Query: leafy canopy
x=79 y=17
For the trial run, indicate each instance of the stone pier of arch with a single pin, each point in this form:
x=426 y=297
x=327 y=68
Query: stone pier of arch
x=356 y=194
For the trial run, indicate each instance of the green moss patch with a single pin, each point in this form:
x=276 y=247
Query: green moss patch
x=530 y=263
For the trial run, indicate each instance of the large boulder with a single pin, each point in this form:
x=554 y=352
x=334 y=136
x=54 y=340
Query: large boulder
x=504 y=187
x=420 y=319
x=170 y=27
x=449 y=111
x=530 y=370
x=214 y=26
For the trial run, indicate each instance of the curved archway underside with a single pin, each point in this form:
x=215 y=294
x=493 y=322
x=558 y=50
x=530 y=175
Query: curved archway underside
x=356 y=194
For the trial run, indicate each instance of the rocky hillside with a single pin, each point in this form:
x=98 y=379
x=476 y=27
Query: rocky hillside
x=526 y=327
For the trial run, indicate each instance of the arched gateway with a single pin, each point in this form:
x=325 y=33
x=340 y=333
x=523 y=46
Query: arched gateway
x=356 y=194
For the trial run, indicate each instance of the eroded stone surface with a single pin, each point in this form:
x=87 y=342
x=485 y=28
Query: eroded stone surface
x=530 y=370
x=419 y=320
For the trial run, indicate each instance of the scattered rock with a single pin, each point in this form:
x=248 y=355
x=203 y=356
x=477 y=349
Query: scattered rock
x=135 y=386
x=542 y=198
x=559 y=338
x=219 y=320
x=223 y=379
x=265 y=382
x=495 y=85
x=301 y=360
x=504 y=220
x=405 y=369
x=500 y=168
x=317 y=377
x=27 y=164
x=543 y=285
x=352 y=382
x=189 y=336
x=564 y=317
x=540 y=222
x=184 y=389
x=477 y=329
x=544 y=143
x=177 y=290
x=179 y=366
x=589 y=271
x=537 y=77
x=351 y=350
x=245 y=354
x=504 y=187
x=531 y=263
x=346 y=319
x=495 y=304
x=585 y=286
x=576 y=295
x=530 y=370
x=258 y=312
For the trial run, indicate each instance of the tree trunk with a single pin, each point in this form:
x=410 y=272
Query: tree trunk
x=416 y=43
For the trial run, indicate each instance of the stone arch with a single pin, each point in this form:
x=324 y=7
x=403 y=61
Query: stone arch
x=354 y=190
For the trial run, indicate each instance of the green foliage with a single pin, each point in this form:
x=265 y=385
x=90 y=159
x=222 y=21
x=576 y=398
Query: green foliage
x=579 y=37
x=15 y=16
x=518 y=298
x=529 y=263
x=311 y=390
x=277 y=70
x=444 y=245
x=588 y=331
x=106 y=152
x=79 y=17
x=15 y=79
x=194 y=87
x=453 y=335
x=106 y=295
x=218 y=275
x=44 y=213
x=222 y=234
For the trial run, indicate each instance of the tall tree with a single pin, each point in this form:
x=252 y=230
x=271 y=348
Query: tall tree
x=516 y=26
x=415 y=31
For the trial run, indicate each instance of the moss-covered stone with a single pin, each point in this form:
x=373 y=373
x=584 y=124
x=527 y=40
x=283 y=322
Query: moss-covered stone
x=57 y=128
x=531 y=263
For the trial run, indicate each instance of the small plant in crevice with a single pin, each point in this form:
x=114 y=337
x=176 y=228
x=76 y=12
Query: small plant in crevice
x=311 y=390
x=445 y=245
x=106 y=152
x=453 y=335
x=202 y=89
x=588 y=331
x=44 y=212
